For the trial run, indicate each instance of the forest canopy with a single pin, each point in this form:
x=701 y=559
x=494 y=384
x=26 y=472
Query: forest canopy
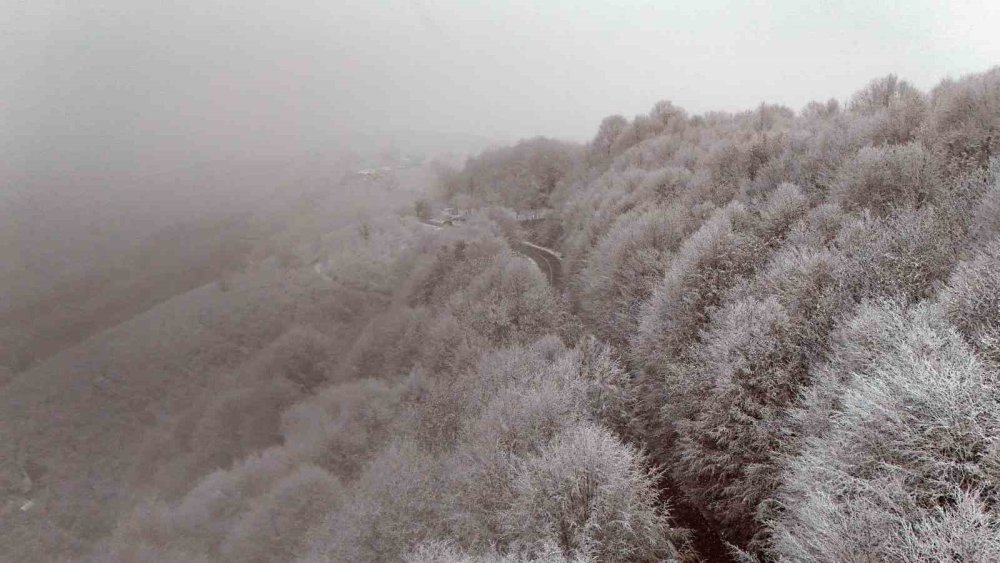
x=773 y=335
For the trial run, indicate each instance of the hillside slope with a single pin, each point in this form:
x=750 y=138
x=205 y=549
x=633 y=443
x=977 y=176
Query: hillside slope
x=78 y=418
x=774 y=336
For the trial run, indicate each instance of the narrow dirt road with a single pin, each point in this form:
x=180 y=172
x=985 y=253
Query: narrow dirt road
x=547 y=260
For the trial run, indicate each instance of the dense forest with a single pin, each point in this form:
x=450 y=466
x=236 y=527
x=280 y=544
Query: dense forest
x=773 y=336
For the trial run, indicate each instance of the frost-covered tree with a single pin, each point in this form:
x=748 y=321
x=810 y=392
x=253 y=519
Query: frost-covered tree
x=625 y=266
x=592 y=496
x=708 y=263
x=906 y=469
x=725 y=250
x=510 y=301
x=971 y=301
x=609 y=130
x=752 y=362
x=240 y=422
x=392 y=507
x=964 y=117
x=986 y=216
x=519 y=177
x=519 y=421
x=885 y=178
x=909 y=254
x=272 y=529
x=200 y=521
x=343 y=426
x=515 y=403
x=591 y=212
x=443 y=551
x=388 y=345
x=898 y=107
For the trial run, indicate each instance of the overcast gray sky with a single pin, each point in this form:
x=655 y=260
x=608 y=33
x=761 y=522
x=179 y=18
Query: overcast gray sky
x=285 y=75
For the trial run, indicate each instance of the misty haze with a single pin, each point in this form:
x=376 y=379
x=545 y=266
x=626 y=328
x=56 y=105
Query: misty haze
x=439 y=281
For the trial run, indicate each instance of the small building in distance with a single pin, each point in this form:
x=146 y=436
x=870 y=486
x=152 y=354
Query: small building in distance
x=451 y=216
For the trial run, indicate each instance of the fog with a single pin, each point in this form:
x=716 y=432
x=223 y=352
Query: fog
x=183 y=78
x=178 y=79
x=469 y=280
x=121 y=117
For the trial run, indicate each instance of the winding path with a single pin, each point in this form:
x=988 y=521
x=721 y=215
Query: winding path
x=548 y=261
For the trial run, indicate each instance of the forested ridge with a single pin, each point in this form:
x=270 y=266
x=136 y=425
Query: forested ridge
x=775 y=337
